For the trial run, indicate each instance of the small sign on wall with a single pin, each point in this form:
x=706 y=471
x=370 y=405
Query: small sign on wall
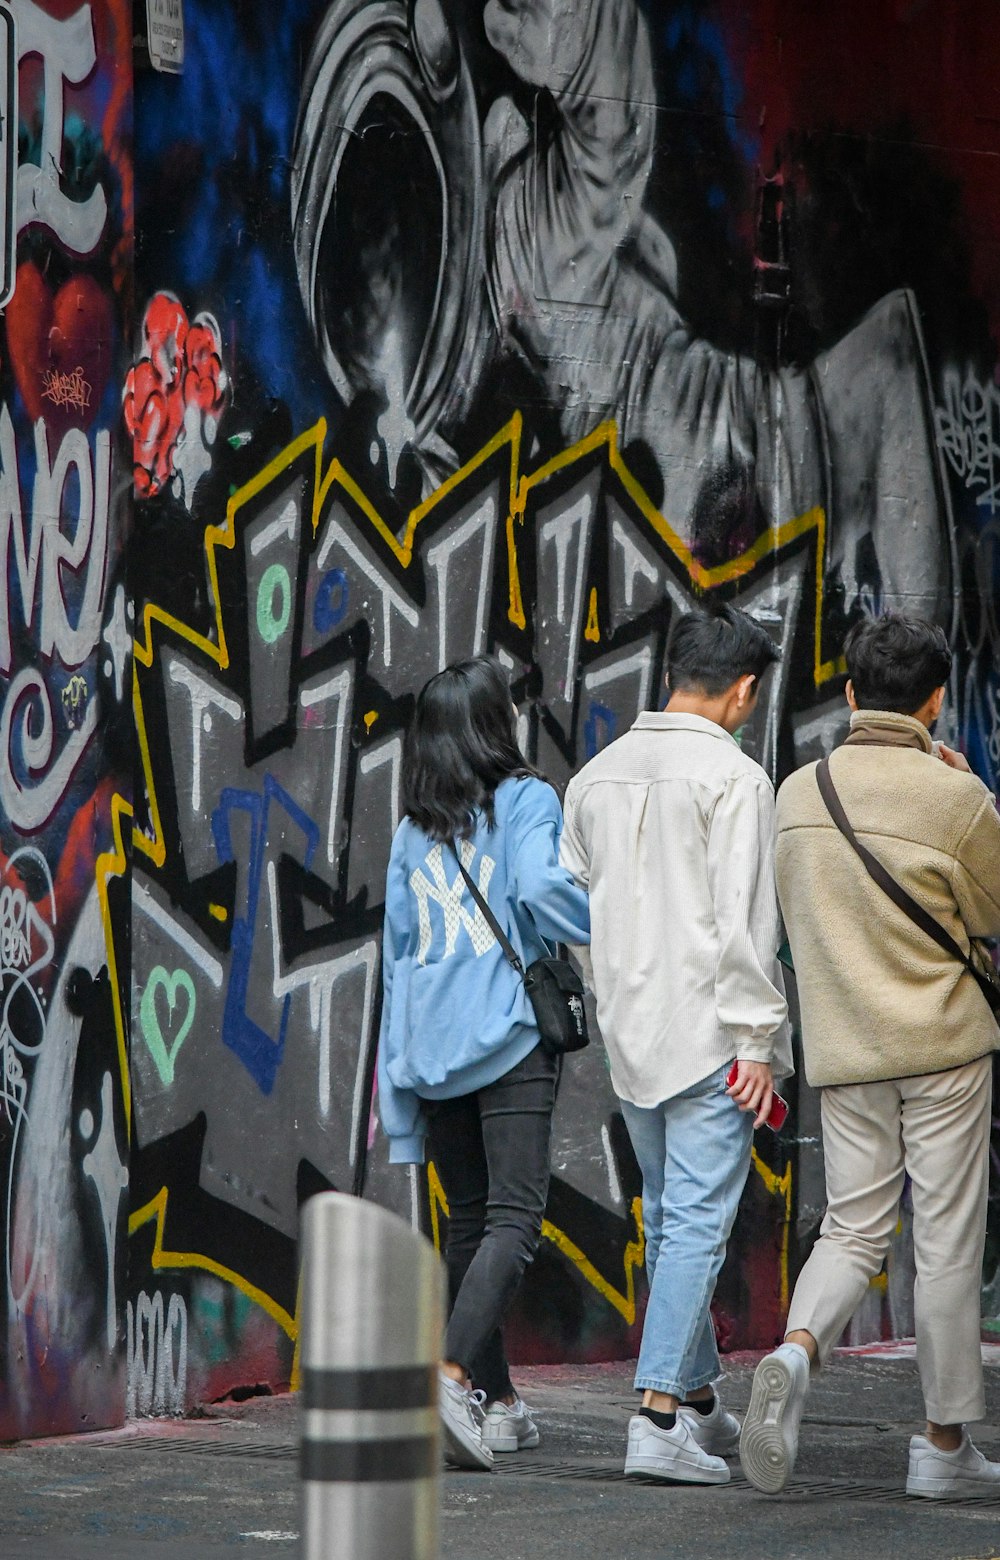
x=165 y=29
x=8 y=151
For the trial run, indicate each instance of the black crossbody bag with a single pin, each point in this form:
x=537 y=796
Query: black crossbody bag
x=978 y=963
x=554 y=988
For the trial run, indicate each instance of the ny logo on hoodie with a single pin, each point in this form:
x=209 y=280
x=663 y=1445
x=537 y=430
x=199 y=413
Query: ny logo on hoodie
x=449 y=899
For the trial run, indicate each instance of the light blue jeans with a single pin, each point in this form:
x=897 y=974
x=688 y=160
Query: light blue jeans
x=694 y=1154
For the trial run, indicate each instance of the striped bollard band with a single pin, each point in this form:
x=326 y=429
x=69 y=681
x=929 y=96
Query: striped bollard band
x=345 y=1411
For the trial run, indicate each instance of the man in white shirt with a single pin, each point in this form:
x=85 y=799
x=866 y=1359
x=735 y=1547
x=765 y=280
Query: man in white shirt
x=671 y=829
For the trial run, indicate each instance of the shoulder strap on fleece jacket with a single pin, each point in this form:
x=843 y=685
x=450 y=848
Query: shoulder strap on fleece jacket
x=886 y=882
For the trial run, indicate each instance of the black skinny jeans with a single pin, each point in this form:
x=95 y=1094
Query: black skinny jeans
x=491 y=1150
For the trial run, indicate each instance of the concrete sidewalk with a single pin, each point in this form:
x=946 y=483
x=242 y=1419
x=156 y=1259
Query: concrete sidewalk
x=205 y=1488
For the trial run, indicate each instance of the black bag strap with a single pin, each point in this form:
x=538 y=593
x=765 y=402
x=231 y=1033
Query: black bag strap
x=886 y=882
x=510 y=952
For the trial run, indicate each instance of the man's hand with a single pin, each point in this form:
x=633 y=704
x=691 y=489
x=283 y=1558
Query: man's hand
x=753 y=1089
x=953 y=759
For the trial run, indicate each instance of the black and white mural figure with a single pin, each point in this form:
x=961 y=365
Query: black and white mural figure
x=536 y=201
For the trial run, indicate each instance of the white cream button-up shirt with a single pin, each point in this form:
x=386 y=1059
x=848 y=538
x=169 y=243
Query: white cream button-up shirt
x=671 y=829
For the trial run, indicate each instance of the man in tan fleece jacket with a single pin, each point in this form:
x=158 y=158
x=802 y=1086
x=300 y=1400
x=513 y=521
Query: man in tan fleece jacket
x=899 y=1037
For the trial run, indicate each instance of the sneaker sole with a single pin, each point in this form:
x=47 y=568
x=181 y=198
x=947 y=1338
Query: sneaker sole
x=763 y=1454
x=653 y=1468
x=510 y=1443
x=945 y=1489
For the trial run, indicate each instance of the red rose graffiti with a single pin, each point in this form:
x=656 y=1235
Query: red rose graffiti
x=174 y=399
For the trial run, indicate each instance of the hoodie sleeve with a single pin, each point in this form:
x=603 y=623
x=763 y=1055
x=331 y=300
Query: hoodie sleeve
x=400 y=1110
x=556 y=903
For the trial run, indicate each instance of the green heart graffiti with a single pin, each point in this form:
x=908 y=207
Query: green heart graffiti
x=163 y=1055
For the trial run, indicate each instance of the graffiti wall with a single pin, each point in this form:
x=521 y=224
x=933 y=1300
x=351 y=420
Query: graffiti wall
x=520 y=326
x=65 y=721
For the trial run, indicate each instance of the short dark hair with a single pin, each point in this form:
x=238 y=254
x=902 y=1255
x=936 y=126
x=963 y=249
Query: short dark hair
x=462 y=742
x=709 y=651
x=896 y=662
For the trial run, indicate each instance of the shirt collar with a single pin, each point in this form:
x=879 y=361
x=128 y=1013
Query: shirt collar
x=659 y=720
x=890 y=729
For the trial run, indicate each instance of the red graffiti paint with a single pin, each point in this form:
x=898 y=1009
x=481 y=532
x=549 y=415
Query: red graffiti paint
x=60 y=347
x=181 y=370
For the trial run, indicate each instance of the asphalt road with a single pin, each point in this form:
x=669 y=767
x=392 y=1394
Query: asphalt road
x=211 y=1488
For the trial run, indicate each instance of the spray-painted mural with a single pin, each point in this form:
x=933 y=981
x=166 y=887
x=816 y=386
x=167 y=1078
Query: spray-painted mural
x=519 y=326
x=65 y=723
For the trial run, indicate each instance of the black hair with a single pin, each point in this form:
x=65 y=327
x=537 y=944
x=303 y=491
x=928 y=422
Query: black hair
x=709 y=651
x=896 y=662
x=462 y=742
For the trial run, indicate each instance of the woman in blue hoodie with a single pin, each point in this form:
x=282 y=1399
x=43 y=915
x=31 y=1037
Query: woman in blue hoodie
x=459 y=1061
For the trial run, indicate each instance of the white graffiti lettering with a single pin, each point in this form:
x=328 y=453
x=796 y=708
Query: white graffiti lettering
x=27 y=948
x=103 y=1166
x=968 y=431
x=29 y=803
x=204 y=700
x=571 y=526
x=88 y=546
x=392 y=600
x=69 y=54
x=48 y=562
x=156 y=1343
x=482 y=524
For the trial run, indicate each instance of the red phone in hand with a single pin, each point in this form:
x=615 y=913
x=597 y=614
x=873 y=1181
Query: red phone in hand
x=779 y=1107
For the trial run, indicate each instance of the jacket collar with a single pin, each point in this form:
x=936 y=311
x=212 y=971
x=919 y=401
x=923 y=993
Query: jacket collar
x=884 y=728
x=659 y=720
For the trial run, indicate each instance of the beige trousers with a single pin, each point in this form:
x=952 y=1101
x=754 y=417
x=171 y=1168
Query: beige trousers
x=936 y=1128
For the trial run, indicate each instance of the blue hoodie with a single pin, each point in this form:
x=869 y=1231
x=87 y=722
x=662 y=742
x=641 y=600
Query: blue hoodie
x=455 y=1014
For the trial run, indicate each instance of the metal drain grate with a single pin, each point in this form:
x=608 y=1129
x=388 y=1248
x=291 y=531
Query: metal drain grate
x=596 y=1472
x=591 y=1471
x=587 y=1470
x=798 y=1490
x=882 y=1494
x=203 y=1446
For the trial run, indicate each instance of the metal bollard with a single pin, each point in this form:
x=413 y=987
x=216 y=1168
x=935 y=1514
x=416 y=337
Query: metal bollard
x=372 y=1309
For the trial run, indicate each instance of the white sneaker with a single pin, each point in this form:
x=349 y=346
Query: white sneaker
x=507 y=1429
x=670 y=1454
x=769 y=1442
x=717 y=1433
x=965 y=1472
x=462 y=1418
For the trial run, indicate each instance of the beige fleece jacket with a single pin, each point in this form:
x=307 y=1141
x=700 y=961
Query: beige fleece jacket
x=878 y=998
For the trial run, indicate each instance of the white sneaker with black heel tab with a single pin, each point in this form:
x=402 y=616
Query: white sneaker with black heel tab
x=509 y=1429
x=673 y=1455
x=933 y=1473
